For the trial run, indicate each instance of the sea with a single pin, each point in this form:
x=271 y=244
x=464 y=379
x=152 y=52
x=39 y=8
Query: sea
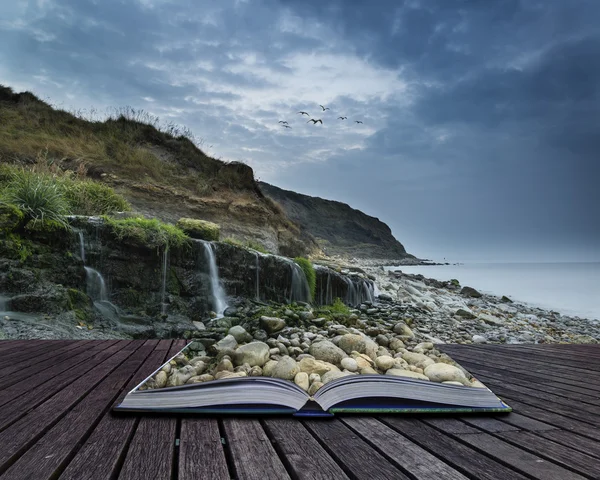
x=571 y=289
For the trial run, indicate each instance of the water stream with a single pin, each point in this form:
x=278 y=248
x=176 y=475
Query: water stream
x=257 y=280
x=218 y=294
x=299 y=289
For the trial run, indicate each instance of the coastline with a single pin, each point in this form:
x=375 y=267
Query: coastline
x=446 y=312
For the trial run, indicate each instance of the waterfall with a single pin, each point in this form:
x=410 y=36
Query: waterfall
x=351 y=293
x=163 y=288
x=218 y=294
x=257 y=280
x=4 y=303
x=328 y=292
x=299 y=290
x=95 y=285
x=81 y=246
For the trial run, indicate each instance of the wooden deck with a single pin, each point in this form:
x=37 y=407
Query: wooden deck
x=55 y=422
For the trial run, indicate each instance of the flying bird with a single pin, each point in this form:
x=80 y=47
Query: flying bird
x=318 y=120
x=304 y=113
x=342 y=118
x=324 y=108
x=283 y=122
x=357 y=121
x=286 y=126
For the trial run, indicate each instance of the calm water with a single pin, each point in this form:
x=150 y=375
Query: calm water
x=569 y=288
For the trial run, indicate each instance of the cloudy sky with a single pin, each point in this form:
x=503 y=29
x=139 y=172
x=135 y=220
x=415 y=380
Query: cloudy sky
x=481 y=119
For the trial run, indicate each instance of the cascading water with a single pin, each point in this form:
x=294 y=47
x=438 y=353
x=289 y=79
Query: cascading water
x=257 y=280
x=81 y=247
x=4 y=303
x=299 y=289
x=163 y=288
x=218 y=294
x=95 y=285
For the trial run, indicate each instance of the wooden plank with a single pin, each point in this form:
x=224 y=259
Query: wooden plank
x=102 y=454
x=7 y=346
x=591 y=356
x=538 y=368
x=556 y=419
x=28 y=383
x=144 y=461
x=306 y=459
x=19 y=406
x=41 y=362
x=412 y=458
x=354 y=454
x=201 y=454
x=565 y=456
x=451 y=451
x=252 y=455
x=573 y=440
x=34 y=348
x=526 y=462
x=151 y=454
x=20 y=435
x=554 y=378
x=488 y=424
x=526 y=423
x=49 y=455
x=541 y=384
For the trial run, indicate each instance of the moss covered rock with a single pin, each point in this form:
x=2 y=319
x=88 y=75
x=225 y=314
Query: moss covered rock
x=200 y=229
x=10 y=218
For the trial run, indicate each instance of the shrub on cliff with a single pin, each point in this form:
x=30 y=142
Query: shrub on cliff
x=87 y=197
x=200 y=229
x=38 y=197
x=309 y=272
x=150 y=233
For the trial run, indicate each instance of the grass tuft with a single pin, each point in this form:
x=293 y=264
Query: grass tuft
x=149 y=232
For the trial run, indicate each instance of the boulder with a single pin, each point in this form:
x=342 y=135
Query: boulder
x=358 y=343
x=327 y=351
x=271 y=324
x=254 y=354
x=286 y=368
x=240 y=334
x=470 y=292
x=312 y=366
x=442 y=372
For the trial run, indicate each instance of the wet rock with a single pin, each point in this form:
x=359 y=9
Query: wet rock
x=470 y=292
x=240 y=334
x=272 y=324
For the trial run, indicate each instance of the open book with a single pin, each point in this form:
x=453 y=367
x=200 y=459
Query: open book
x=358 y=393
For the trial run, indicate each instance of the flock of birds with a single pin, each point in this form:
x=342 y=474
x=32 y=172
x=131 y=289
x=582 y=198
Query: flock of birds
x=314 y=121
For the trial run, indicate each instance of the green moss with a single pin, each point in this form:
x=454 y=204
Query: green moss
x=15 y=247
x=233 y=241
x=339 y=307
x=200 y=229
x=256 y=246
x=82 y=315
x=152 y=233
x=10 y=218
x=77 y=299
x=309 y=271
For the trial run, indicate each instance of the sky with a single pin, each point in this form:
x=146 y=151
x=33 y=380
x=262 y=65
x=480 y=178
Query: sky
x=480 y=138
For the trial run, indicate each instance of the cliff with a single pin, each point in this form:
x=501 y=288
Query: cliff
x=157 y=168
x=338 y=228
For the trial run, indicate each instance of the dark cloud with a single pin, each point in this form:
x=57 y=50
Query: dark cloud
x=480 y=131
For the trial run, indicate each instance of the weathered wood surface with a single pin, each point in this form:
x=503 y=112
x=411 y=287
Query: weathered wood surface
x=56 y=422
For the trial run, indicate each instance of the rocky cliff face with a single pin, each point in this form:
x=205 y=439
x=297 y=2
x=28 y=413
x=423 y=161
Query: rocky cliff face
x=91 y=276
x=338 y=228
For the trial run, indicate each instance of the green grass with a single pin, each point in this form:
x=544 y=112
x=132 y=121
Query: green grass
x=39 y=197
x=87 y=197
x=200 y=229
x=339 y=307
x=309 y=272
x=149 y=232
